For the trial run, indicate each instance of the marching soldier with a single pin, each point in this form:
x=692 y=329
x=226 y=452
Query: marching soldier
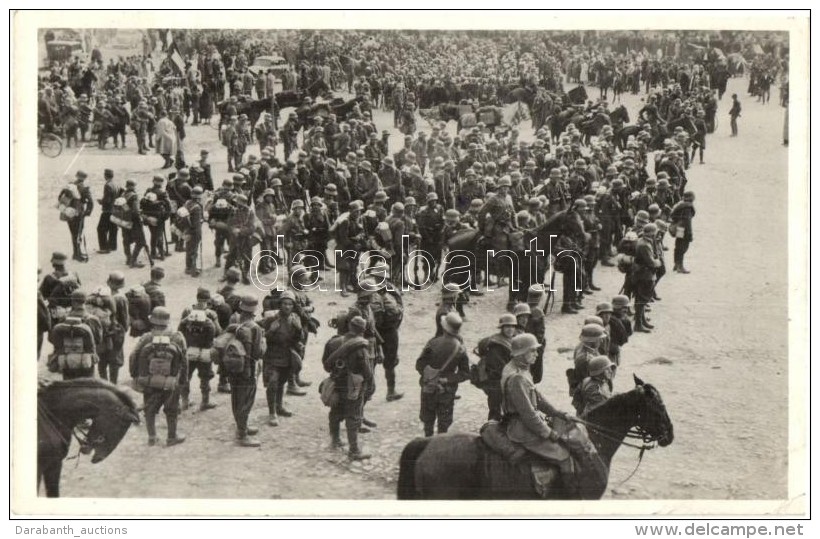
x=243 y=381
x=166 y=348
x=75 y=341
x=347 y=357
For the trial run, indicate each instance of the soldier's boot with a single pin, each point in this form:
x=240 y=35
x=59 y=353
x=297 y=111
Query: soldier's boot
x=244 y=440
x=151 y=425
x=174 y=438
x=273 y=418
x=366 y=422
x=335 y=434
x=390 y=375
x=206 y=403
x=429 y=428
x=300 y=382
x=293 y=389
x=355 y=452
x=639 y=320
x=224 y=386
x=280 y=406
x=646 y=324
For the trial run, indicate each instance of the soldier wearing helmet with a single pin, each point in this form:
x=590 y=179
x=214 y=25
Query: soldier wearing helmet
x=495 y=352
x=597 y=387
x=295 y=231
x=521 y=401
x=241 y=227
x=443 y=364
x=430 y=221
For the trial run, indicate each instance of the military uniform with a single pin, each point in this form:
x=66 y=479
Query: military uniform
x=594 y=391
x=283 y=334
x=447 y=354
x=243 y=384
x=106 y=230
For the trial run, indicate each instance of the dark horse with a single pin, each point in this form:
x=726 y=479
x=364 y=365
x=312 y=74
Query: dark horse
x=522 y=256
x=62 y=406
x=252 y=108
x=461 y=467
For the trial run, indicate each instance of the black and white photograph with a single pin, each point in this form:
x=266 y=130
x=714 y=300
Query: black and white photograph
x=544 y=258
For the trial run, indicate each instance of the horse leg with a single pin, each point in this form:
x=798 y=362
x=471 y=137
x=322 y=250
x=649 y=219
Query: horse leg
x=51 y=476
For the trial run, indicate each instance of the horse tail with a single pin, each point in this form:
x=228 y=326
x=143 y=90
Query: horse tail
x=407 y=466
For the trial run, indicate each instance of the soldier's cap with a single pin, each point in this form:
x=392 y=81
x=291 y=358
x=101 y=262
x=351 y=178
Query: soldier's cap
x=555 y=173
x=592 y=332
x=449 y=290
x=357 y=324
x=116 y=278
x=130 y=183
x=233 y=275
x=356 y=205
x=521 y=309
x=650 y=229
x=689 y=196
x=330 y=189
x=431 y=197
x=365 y=165
x=248 y=304
x=203 y=294
x=662 y=225
x=380 y=196
x=505 y=181
x=78 y=296
x=589 y=199
x=580 y=204
x=197 y=191
x=108 y=173
x=620 y=301
x=410 y=201
x=598 y=365
x=80 y=176
x=156 y=179
x=451 y=323
x=298 y=203
x=507 y=319
x=397 y=207
x=238 y=178
x=592 y=319
x=452 y=214
x=58 y=258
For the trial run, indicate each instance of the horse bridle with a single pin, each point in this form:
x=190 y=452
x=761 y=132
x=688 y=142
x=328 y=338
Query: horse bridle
x=78 y=433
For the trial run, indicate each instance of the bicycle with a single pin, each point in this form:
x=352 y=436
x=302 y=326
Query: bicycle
x=49 y=143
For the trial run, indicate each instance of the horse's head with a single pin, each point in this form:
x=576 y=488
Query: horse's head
x=653 y=420
x=622 y=114
x=110 y=423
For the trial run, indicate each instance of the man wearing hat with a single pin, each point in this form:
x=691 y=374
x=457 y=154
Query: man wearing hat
x=112 y=358
x=243 y=384
x=167 y=138
x=290 y=133
x=642 y=276
x=494 y=352
x=430 y=221
x=154 y=287
x=199 y=324
x=162 y=211
x=522 y=401
x=347 y=358
x=79 y=201
x=587 y=348
x=597 y=387
x=537 y=326
x=106 y=230
x=242 y=225
x=350 y=239
x=133 y=239
x=193 y=231
x=363 y=308
x=266 y=132
x=443 y=364
x=283 y=350
x=92 y=330
x=682 y=215
x=142 y=120
x=164 y=345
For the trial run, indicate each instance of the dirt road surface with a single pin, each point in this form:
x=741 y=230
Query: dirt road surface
x=718 y=354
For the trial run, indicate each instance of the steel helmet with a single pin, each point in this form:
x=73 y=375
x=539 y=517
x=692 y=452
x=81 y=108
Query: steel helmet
x=521 y=344
x=507 y=319
x=597 y=365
